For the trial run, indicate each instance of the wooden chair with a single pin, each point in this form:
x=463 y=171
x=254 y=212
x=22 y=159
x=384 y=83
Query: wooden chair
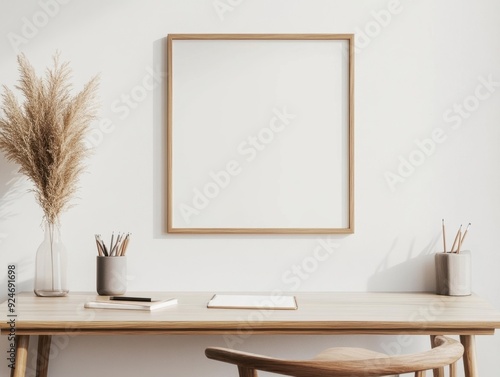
x=346 y=362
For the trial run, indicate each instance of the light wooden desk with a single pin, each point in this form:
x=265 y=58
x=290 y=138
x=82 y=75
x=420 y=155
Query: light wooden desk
x=318 y=313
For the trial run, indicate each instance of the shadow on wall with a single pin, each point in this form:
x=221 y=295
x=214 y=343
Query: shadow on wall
x=13 y=186
x=416 y=273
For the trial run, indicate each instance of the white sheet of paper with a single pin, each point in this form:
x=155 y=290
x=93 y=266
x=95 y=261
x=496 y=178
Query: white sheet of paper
x=252 y=302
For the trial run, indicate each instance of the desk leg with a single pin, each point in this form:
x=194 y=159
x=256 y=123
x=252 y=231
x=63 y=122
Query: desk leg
x=22 y=343
x=470 y=364
x=42 y=361
x=437 y=372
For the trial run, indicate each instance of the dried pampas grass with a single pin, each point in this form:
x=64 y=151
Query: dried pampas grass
x=45 y=135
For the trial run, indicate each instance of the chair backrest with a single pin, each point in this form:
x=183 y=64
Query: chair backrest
x=445 y=352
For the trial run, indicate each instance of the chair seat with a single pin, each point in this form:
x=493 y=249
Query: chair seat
x=347 y=361
x=349 y=354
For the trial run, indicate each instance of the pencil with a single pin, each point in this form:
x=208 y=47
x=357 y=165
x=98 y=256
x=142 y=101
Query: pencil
x=444 y=236
x=114 y=250
x=465 y=233
x=459 y=242
x=456 y=238
x=111 y=245
x=104 y=249
x=99 y=251
x=125 y=244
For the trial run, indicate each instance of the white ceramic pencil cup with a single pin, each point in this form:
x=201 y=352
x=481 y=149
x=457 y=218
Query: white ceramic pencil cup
x=453 y=273
x=111 y=275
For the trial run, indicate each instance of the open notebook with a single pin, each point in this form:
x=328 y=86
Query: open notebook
x=246 y=301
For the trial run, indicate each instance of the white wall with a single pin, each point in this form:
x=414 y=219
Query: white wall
x=413 y=68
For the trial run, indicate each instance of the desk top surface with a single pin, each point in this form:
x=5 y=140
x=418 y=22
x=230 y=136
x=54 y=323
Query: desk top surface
x=317 y=313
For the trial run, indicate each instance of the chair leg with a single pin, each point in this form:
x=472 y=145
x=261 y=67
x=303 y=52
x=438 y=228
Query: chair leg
x=469 y=358
x=440 y=371
x=420 y=373
x=246 y=372
x=453 y=370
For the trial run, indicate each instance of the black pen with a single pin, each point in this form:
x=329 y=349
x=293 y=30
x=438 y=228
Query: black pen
x=125 y=298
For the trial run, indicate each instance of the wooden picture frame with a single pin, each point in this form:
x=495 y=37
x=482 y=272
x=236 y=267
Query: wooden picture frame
x=260 y=133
